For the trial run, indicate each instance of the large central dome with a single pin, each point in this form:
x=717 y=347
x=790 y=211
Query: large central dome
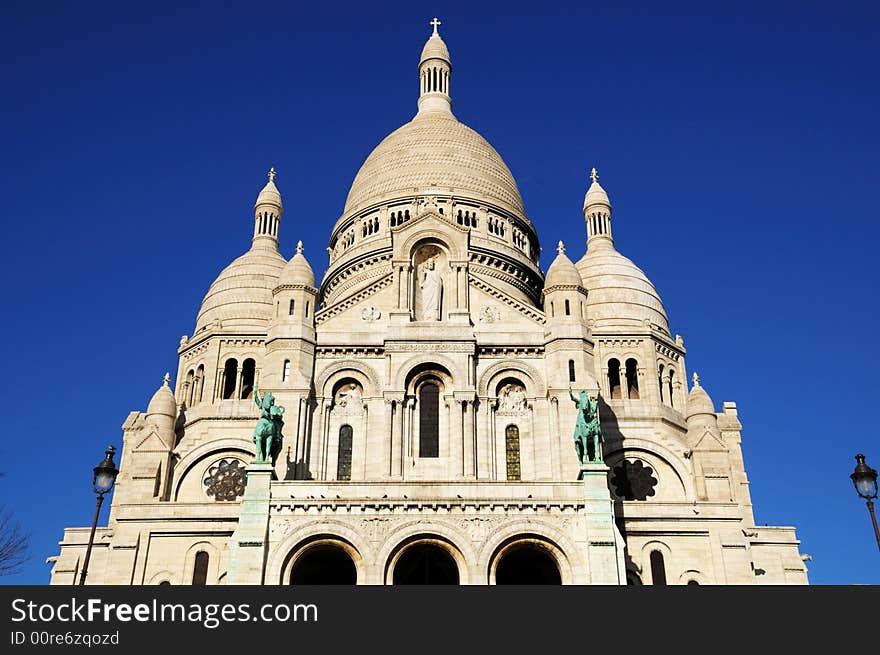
x=434 y=151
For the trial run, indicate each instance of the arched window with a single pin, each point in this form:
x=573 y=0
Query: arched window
x=571 y=370
x=343 y=460
x=614 y=379
x=292 y=306
x=632 y=379
x=188 y=388
x=660 y=381
x=567 y=308
x=658 y=568
x=511 y=439
x=230 y=377
x=200 y=381
x=248 y=373
x=671 y=376
x=285 y=372
x=200 y=570
x=693 y=582
x=429 y=420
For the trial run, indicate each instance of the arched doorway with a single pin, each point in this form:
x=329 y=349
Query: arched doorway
x=525 y=564
x=426 y=563
x=324 y=564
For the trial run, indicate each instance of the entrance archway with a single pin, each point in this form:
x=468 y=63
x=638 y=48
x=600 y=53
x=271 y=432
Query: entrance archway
x=426 y=563
x=526 y=564
x=324 y=564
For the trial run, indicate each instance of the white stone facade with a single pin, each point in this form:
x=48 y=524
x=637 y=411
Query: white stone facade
x=426 y=383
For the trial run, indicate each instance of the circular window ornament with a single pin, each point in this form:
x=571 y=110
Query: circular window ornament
x=226 y=479
x=633 y=480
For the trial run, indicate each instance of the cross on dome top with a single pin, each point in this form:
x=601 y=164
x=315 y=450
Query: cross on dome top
x=696 y=379
x=560 y=248
x=594 y=175
x=299 y=247
x=167 y=379
x=272 y=174
x=435 y=23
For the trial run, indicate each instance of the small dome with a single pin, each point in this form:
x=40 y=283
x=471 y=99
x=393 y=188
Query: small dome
x=241 y=296
x=596 y=194
x=434 y=48
x=297 y=270
x=163 y=401
x=562 y=271
x=270 y=194
x=698 y=401
x=619 y=294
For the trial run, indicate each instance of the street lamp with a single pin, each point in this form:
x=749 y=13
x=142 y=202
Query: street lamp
x=865 y=480
x=102 y=482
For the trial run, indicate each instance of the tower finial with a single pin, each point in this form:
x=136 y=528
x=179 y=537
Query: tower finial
x=594 y=175
x=696 y=379
x=560 y=248
x=299 y=247
x=272 y=174
x=167 y=379
x=435 y=23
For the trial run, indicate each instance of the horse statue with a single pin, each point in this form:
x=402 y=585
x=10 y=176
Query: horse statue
x=587 y=432
x=267 y=433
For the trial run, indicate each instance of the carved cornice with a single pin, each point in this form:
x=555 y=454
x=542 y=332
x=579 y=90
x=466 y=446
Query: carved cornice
x=565 y=287
x=294 y=287
x=337 y=352
x=510 y=351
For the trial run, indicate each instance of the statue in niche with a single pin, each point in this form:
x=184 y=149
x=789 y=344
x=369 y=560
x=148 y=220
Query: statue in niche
x=587 y=432
x=431 y=286
x=512 y=399
x=349 y=397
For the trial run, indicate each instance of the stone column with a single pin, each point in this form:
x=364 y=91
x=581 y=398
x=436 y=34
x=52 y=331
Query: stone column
x=469 y=446
x=484 y=450
x=249 y=543
x=388 y=439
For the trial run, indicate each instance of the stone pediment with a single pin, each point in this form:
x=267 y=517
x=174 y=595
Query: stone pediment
x=709 y=442
x=152 y=442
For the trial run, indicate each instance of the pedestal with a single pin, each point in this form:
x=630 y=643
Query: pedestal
x=248 y=545
x=605 y=544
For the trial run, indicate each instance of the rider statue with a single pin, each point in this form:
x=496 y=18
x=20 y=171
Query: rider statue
x=587 y=433
x=267 y=433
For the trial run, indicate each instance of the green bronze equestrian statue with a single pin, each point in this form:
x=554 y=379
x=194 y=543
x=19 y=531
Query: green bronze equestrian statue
x=267 y=433
x=587 y=432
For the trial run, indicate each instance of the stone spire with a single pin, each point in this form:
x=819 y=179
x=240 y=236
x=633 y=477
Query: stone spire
x=597 y=213
x=435 y=69
x=267 y=214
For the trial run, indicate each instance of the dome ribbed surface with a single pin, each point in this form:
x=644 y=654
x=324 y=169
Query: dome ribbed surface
x=434 y=48
x=618 y=292
x=562 y=271
x=435 y=152
x=163 y=403
x=297 y=271
x=699 y=402
x=269 y=195
x=596 y=195
x=241 y=296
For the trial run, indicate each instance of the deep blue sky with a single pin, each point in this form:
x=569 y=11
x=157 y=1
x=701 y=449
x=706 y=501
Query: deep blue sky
x=739 y=146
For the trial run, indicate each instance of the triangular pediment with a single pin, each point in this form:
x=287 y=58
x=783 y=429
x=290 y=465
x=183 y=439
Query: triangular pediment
x=151 y=441
x=709 y=442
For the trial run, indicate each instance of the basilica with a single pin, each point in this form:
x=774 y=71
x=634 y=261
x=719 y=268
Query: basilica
x=426 y=394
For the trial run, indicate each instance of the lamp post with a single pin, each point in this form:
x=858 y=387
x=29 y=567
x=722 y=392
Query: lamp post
x=102 y=482
x=865 y=480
